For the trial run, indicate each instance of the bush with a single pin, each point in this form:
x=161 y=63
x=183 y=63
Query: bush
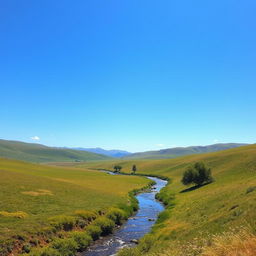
x=117 y=215
x=86 y=215
x=94 y=231
x=105 y=224
x=26 y=248
x=250 y=189
x=166 y=196
x=197 y=174
x=81 y=223
x=82 y=239
x=63 y=222
x=66 y=247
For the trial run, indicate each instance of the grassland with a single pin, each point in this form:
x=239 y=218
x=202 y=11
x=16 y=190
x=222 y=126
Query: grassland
x=194 y=220
x=30 y=194
x=37 y=153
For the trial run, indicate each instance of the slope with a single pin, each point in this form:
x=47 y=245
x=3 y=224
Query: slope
x=39 y=153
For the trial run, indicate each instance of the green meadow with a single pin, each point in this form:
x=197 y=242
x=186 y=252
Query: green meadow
x=194 y=220
x=31 y=194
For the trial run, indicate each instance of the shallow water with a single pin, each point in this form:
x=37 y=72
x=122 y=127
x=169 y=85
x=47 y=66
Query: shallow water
x=136 y=226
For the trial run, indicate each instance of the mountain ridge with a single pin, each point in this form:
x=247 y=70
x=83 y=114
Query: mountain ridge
x=182 y=151
x=112 y=152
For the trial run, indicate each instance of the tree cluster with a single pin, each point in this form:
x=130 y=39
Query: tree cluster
x=197 y=174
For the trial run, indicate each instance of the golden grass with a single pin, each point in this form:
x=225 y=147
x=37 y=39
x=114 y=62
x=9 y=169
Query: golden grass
x=39 y=192
x=242 y=243
x=19 y=214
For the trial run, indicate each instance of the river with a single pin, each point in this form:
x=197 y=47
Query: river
x=136 y=226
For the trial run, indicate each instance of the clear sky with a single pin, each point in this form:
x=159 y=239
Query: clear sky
x=128 y=74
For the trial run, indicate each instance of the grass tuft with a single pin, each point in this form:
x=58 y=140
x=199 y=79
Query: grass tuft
x=18 y=215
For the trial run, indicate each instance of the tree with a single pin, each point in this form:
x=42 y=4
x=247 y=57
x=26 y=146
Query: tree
x=134 y=169
x=117 y=168
x=188 y=176
x=197 y=174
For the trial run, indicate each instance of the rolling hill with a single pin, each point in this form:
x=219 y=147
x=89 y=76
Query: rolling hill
x=182 y=151
x=32 y=152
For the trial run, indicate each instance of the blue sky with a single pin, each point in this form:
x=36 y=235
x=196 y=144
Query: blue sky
x=134 y=75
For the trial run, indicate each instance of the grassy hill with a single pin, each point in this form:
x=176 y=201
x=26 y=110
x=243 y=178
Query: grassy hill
x=214 y=220
x=182 y=151
x=30 y=194
x=39 y=153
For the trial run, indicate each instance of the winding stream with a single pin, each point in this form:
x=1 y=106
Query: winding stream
x=136 y=226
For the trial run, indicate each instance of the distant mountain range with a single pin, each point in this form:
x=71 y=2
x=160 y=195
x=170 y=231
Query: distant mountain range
x=32 y=152
x=112 y=153
x=182 y=151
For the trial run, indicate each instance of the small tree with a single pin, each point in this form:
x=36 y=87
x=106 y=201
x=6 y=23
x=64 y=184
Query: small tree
x=197 y=174
x=134 y=169
x=188 y=176
x=117 y=168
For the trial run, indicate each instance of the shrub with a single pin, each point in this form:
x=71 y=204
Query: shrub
x=26 y=248
x=250 y=189
x=197 y=174
x=117 y=215
x=134 y=204
x=45 y=252
x=86 y=215
x=81 y=238
x=81 y=223
x=105 y=224
x=94 y=231
x=63 y=222
x=146 y=243
x=166 y=196
x=66 y=247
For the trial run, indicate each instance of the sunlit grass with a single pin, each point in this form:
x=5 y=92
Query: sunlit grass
x=230 y=201
x=30 y=194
